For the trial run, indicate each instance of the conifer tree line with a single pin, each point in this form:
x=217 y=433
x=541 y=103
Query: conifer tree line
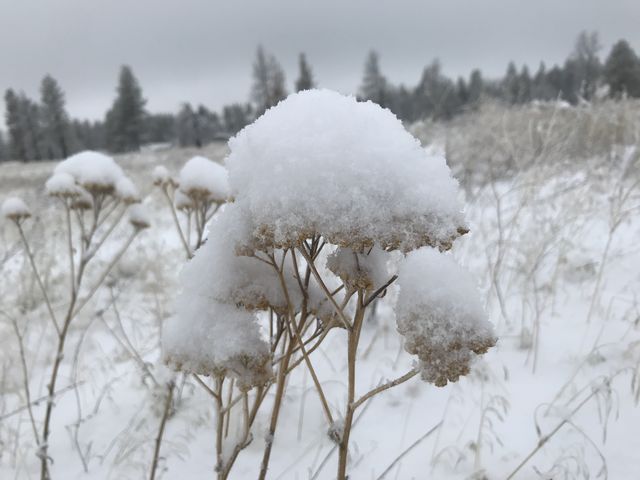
x=39 y=130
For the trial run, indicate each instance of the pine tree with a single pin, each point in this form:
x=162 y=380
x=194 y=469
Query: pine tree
x=435 y=95
x=305 y=78
x=15 y=126
x=24 y=124
x=622 y=71
x=187 y=127
x=235 y=117
x=374 y=84
x=89 y=135
x=555 y=80
x=540 y=88
x=55 y=121
x=476 y=87
x=462 y=95
x=4 y=151
x=125 y=120
x=268 y=81
x=586 y=64
x=510 y=84
x=524 y=85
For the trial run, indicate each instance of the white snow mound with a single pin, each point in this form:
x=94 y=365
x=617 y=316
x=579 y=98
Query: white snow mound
x=323 y=163
x=14 y=208
x=92 y=170
x=201 y=176
x=440 y=314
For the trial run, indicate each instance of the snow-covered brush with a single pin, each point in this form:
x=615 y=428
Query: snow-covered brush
x=202 y=186
x=94 y=195
x=319 y=173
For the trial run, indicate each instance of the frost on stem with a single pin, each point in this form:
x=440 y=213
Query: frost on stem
x=323 y=164
x=440 y=315
x=14 y=208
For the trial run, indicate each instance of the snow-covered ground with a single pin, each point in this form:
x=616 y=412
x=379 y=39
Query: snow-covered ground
x=553 y=248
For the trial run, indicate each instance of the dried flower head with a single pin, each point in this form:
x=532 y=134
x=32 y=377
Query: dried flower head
x=95 y=172
x=204 y=181
x=162 y=178
x=363 y=181
x=367 y=269
x=82 y=201
x=62 y=185
x=127 y=191
x=14 y=208
x=212 y=338
x=138 y=217
x=440 y=316
x=183 y=202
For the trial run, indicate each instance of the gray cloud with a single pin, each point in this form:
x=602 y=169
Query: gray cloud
x=201 y=50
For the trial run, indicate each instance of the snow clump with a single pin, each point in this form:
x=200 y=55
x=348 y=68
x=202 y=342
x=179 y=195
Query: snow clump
x=14 y=208
x=227 y=275
x=368 y=270
x=94 y=171
x=209 y=334
x=139 y=217
x=440 y=315
x=202 y=179
x=320 y=163
x=161 y=176
x=62 y=185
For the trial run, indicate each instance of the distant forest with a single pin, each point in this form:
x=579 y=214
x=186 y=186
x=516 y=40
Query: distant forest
x=38 y=130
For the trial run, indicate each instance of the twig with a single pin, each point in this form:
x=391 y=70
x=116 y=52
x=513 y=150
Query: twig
x=410 y=374
x=163 y=422
x=408 y=449
x=375 y=294
x=38 y=277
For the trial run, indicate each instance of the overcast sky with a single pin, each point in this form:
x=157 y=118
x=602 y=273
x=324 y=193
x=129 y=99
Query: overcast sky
x=201 y=50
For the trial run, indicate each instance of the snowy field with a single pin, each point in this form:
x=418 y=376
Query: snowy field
x=553 y=246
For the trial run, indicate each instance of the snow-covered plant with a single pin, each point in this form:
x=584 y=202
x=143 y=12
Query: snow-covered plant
x=202 y=186
x=440 y=315
x=325 y=189
x=94 y=194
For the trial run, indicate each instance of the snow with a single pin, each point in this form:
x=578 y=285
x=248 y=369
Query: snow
x=546 y=214
x=209 y=337
x=160 y=175
x=127 y=191
x=139 y=216
x=440 y=315
x=202 y=177
x=62 y=185
x=323 y=163
x=14 y=208
x=82 y=201
x=221 y=271
x=369 y=269
x=183 y=201
x=93 y=170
